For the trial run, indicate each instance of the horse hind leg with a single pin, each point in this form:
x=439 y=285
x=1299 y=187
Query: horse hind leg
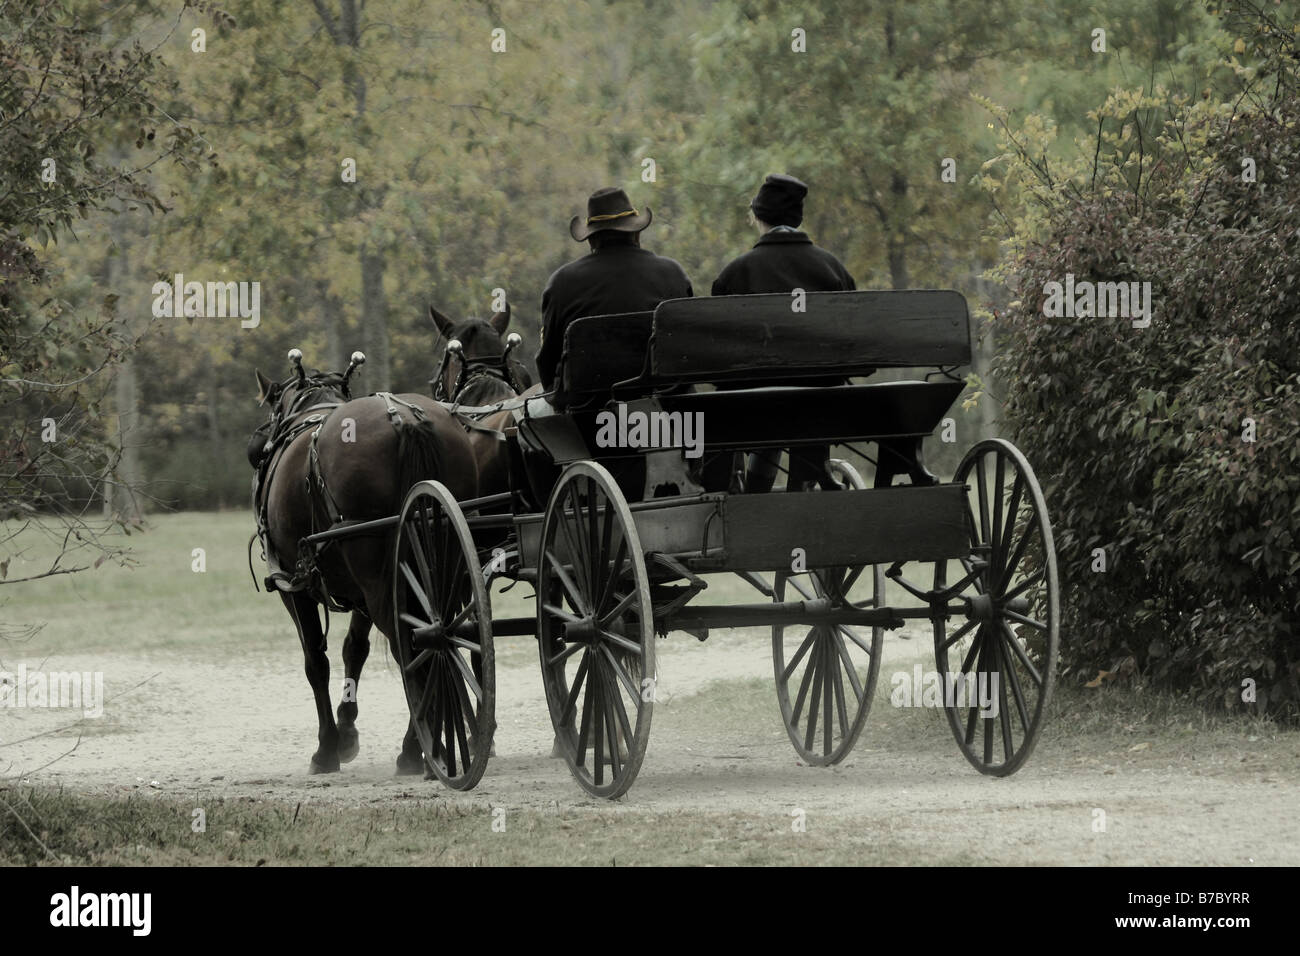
x=317 y=666
x=356 y=648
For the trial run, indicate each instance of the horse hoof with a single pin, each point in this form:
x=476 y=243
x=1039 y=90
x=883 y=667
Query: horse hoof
x=322 y=766
x=349 y=744
x=408 y=766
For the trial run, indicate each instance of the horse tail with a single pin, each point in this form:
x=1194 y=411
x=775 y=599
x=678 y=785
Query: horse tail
x=420 y=454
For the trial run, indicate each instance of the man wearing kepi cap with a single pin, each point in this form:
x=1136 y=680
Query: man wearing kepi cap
x=784 y=259
x=616 y=276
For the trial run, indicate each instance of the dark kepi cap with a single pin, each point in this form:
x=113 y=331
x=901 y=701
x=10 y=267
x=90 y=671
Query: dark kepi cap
x=610 y=210
x=780 y=200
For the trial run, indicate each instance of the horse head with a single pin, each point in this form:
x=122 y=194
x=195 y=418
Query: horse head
x=300 y=391
x=477 y=367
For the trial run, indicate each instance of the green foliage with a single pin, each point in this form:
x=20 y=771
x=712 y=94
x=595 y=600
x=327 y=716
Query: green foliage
x=78 y=133
x=1142 y=435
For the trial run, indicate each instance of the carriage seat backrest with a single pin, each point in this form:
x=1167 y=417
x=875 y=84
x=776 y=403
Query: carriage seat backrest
x=758 y=338
x=599 y=352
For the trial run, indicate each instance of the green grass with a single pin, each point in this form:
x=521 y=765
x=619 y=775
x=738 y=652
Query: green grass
x=159 y=604
x=143 y=830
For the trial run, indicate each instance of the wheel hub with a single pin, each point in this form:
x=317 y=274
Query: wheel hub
x=581 y=632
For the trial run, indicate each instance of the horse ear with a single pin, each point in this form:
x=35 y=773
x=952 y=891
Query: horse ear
x=500 y=320
x=444 y=324
x=264 y=387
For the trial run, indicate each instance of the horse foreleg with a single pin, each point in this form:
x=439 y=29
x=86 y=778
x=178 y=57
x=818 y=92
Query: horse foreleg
x=356 y=648
x=317 y=666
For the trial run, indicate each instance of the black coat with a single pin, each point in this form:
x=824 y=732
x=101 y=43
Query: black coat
x=609 y=280
x=781 y=262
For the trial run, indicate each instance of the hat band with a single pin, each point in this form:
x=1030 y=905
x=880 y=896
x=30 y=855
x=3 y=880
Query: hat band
x=612 y=215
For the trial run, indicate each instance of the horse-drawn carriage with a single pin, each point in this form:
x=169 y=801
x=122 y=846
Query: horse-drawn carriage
x=611 y=517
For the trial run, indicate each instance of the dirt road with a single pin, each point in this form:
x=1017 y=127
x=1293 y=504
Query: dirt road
x=1099 y=790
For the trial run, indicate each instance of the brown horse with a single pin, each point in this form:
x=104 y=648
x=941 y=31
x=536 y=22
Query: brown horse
x=326 y=457
x=479 y=371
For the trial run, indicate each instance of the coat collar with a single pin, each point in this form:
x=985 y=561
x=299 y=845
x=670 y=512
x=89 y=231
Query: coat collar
x=782 y=236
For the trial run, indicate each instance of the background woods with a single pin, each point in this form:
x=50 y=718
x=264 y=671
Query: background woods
x=360 y=161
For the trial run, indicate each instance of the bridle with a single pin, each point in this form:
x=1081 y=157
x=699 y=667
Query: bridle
x=472 y=370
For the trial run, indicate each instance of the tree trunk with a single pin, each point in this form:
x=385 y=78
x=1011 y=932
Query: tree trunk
x=119 y=489
x=374 y=320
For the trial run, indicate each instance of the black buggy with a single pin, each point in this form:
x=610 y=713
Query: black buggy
x=614 y=537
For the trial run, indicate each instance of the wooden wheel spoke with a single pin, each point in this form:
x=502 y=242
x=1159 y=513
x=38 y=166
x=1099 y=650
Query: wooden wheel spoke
x=837 y=672
x=630 y=646
x=1004 y=717
x=976 y=646
x=621 y=672
x=467 y=674
x=853 y=636
x=461 y=642
x=828 y=716
x=1013 y=511
x=1023 y=586
x=596 y=686
x=613 y=573
x=586 y=716
x=981 y=482
x=1013 y=562
x=572 y=536
x=851 y=579
x=576 y=597
x=1028 y=621
x=415 y=538
x=849 y=667
x=619 y=609
x=1010 y=639
x=814 y=665
x=417 y=590
x=803 y=649
x=794 y=583
x=571 y=701
x=568 y=651
x=561 y=613
x=419 y=660
x=607 y=711
x=803 y=682
x=1012 y=678
x=995 y=537
x=957 y=635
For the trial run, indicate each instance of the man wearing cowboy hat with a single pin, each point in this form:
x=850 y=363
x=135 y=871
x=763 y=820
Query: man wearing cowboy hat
x=784 y=259
x=616 y=276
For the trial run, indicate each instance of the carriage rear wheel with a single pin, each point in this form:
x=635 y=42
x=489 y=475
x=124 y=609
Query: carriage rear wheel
x=823 y=715
x=443 y=635
x=595 y=630
x=997 y=658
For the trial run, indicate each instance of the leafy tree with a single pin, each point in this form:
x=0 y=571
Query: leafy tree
x=79 y=135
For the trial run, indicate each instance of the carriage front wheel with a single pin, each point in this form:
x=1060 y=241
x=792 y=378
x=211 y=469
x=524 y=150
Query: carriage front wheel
x=443 y=635
x=997 y=656
x=595 y=630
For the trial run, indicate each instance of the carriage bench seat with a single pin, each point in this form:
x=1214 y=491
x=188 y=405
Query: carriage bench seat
x=760 y=339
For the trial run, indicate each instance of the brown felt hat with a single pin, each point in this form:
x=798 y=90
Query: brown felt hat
x=610 y=210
